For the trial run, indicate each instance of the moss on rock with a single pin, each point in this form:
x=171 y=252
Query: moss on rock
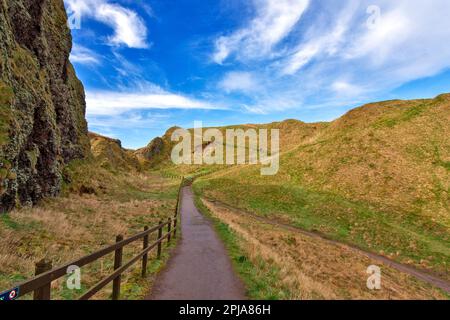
x=6 y=96
x=42 y=102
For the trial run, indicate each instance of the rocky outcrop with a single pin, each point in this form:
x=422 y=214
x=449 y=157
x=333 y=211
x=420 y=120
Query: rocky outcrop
x=158 y=150
x=154 y=148
x=42 y=103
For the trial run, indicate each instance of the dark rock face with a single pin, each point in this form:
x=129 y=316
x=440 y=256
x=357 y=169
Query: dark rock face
x=158 y=150
x=42 y=103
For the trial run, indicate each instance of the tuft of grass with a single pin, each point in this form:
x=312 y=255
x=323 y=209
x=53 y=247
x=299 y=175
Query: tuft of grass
x=408 y=115
x=9 y=223
x=445 y=164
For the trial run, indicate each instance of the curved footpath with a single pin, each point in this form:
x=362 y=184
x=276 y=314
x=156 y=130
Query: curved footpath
x=200 y=268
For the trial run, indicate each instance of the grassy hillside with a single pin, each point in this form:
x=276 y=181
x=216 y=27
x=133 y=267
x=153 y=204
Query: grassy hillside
x=377 y=177
x=103 y=196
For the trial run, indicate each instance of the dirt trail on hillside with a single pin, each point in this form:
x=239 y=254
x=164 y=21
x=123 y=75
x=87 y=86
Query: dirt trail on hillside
x=419 y=274
x=200 y=268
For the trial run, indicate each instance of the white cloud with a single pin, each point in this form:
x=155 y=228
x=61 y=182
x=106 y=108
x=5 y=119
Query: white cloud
x=83 y=55
x=129 y=28
x=302 y=57
x=344 y=88
x=132 y=119
x=405 y=44
x=335 y=57
x=321 y=42
x=273 y=22
x=254 y=109
x=408 y=42
x=113 y=103
x=239 y=81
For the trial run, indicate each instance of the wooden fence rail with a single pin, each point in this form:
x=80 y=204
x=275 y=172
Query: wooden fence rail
x=40 y=285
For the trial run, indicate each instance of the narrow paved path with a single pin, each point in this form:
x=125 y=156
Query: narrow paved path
x=200 y=268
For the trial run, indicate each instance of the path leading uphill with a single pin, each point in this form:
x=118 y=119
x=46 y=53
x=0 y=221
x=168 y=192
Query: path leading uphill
x=200 y=268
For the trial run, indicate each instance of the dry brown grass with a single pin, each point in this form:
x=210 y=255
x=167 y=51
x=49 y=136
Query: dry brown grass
x=310 y=268
x=69 y=227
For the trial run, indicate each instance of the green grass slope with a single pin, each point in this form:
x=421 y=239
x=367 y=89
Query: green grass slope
x=378 y=177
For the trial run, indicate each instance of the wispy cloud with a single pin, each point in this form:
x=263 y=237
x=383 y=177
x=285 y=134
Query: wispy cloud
x=321 y=42
x=343 y=88
x=129 y=28
x=113 y=103
x=131 y=119
x=273 y=22
x=239 y=81
x=83 y=55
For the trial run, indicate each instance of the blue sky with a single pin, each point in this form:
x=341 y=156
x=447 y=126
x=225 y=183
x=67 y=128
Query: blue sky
x=148 y=65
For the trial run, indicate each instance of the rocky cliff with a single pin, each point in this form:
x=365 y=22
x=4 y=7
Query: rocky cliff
x=42 y=105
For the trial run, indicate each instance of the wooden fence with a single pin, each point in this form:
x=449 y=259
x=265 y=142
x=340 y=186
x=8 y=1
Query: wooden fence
x=40 y=285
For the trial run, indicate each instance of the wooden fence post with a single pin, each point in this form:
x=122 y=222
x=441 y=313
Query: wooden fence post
x=145 y=257
x=169 y=230
x=117 y=264
x=175 y=227
x=160 y=233
x=43 y=293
